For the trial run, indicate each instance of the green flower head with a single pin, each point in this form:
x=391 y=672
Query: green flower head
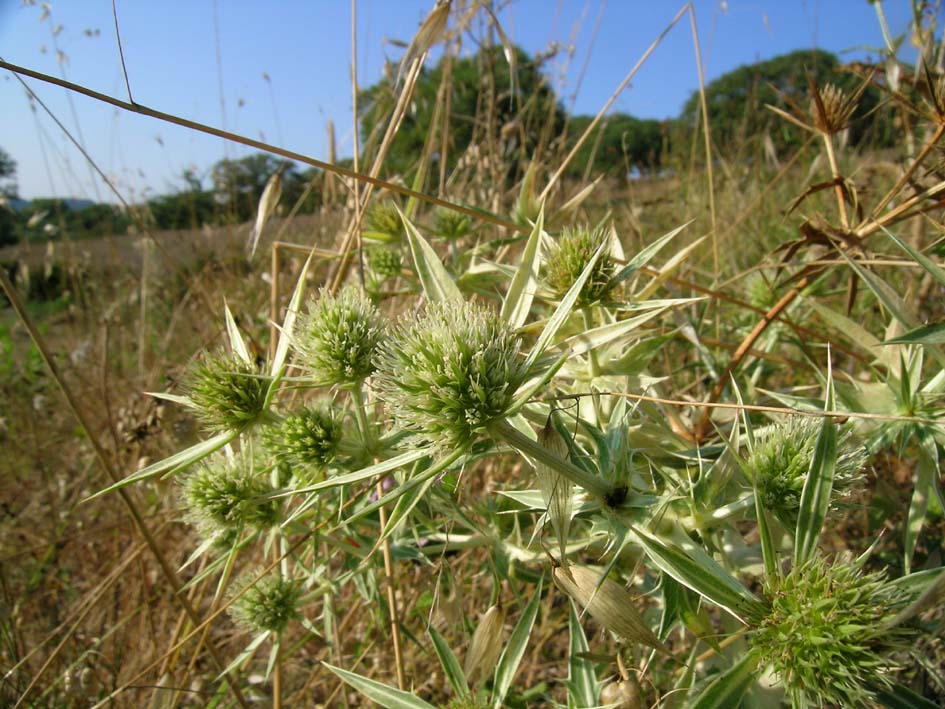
x=781 y=460
x=228 y=492
x=450 y=372
x=828 y=635
x=338 y=336
x=227 y=393
x=385 y=262
x=451 y=224
x=269 y=605
x=383 y=223
x=307 y=438
x=570 y=255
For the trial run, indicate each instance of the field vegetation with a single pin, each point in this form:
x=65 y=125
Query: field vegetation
x=514 y=408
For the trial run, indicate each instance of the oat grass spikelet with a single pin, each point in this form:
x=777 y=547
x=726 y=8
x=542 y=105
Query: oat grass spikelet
x=828 y=634
x=227 y=393
x=570 y=255
x=338 y=336
x=450 y=372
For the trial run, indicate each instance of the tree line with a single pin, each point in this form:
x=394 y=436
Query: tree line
x=509 y=106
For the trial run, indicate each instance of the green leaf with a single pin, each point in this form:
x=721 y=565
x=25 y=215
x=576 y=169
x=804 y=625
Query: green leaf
x=451 y=667
x=605 y=334
x=378 y=692
x=582 y=680
x=518 y=299
x=515 y=650
x=645 y=255
x=174 y=463
x=932 y=334
x=928 y=264
x=563 y=310
x=925 y=471
x=705 y=576
x=236 y=339
x=901 y=697
x=436 y=282
x=385 y=466
x=727 y=689
x=818 y=487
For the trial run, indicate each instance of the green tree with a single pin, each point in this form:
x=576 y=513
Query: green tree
x=626 y=144
x=239 y=183
x=482 y=102
x=7 y=192
x=736 y=102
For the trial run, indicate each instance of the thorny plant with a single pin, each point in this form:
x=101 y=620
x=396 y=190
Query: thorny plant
x=373 y=438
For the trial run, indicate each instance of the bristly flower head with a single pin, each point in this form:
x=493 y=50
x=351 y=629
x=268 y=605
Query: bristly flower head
x=227 y=393
x=306 y=439
x=450 y=372
x=828 y=634
x=569 y=257
x=385 y=262
x=269 y=605
x=338 y=336
x=781 y=460
x=228 y=492
x=451 y=224
x=383 y=223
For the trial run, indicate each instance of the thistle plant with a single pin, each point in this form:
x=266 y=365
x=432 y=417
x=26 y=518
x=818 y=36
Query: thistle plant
x=268 y=605
x=227 y=392
x=451 y=224
x=570 y=254
x=385 y=262
x=337 y=338
x=450 y=372
x=829 y=634
x=383 y=223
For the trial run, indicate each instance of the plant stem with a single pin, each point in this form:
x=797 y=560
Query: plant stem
x=505 y=431
x=835 y=174
x=360 y=414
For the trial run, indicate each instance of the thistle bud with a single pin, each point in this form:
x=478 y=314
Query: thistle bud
x=305 y=439
x=383 y=223
x=609 y=603
x=269 y=605
x=227 y=393
x=485 y=646
x=570 y=256
x=451 y=224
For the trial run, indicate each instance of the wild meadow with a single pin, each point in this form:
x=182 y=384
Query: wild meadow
x=508 y=410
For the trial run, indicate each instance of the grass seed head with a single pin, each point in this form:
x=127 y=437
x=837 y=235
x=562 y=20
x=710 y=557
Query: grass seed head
x=609 y=603
x=450 y=372
x=227 y=393
x=338 y=336
x=827 y=635
x=570 y=255
x=269 y=605
x=228 y=492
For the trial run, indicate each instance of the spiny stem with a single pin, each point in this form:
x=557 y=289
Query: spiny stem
x=504 y=431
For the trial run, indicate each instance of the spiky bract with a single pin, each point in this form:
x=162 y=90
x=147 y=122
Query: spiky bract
x=827 y=634
x=269 y=605
x=569 y=257
x=338 y=336
x=450 y=372
x=227 y=393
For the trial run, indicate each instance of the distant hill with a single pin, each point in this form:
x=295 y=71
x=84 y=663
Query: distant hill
x=71 y=203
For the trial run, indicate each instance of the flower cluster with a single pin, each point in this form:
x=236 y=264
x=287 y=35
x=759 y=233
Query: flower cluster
x=449 y=372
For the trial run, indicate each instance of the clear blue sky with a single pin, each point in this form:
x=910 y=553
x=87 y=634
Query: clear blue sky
x=304 y=48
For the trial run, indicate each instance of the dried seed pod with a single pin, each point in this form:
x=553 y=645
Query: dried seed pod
x=609 y=603
x=485 y=646
x=623 y=694
x=555 y=488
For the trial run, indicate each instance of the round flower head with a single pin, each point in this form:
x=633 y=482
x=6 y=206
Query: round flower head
x=828 y=634
x=385 y=262
x=451 y=224
x=307 y=438
x=780 y=463
x=338 y=336
x=569 y=257
x=227 y=393
x=228 y=492
x=268 y=605
x=383 y=223
x=449 y=372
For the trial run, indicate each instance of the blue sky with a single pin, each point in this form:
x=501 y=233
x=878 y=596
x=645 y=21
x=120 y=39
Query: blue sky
x=208 y=60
